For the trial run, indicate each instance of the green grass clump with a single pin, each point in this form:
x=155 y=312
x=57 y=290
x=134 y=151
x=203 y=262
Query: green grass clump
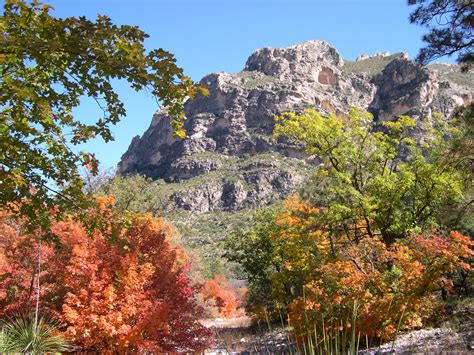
x=23 y=334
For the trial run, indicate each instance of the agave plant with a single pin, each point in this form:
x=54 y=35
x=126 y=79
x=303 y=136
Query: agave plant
x=23 y=334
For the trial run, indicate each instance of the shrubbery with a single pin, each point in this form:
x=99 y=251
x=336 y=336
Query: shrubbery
x=128 y=293
x=367 y=244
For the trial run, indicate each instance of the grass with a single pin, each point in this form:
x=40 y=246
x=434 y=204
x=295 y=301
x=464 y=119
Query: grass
x=452 y=73
x=334 y=336
x=371 y=66
x=273 y=338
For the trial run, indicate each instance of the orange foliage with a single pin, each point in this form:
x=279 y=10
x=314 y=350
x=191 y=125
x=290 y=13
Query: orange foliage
x=121 y=297
x=387 y=285
x=325 y=275
x=219 y=294
x=298 y=246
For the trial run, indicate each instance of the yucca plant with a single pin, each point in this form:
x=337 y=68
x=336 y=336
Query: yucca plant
x=23 y=334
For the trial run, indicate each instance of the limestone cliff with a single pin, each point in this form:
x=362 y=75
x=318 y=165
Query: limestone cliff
x=229 y=162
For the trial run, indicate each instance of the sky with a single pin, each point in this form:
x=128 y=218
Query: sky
x=219 y=35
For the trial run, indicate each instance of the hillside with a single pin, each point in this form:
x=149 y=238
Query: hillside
x=229 y=161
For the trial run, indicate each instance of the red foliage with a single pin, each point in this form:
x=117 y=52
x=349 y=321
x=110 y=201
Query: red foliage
x=109 y=296
x=223 y=297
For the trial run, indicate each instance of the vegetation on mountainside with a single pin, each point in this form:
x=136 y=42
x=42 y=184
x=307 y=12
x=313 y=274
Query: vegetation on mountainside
x=370 y=66
x=140 y=194
x=376 y=64
x=453 y=73
x=368 y=237
x=254 y=79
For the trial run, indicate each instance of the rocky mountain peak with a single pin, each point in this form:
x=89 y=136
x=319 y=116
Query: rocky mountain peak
x=229 y=162
x=303 y=61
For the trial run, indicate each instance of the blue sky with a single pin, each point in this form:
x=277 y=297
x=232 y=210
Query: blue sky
x=218 y=35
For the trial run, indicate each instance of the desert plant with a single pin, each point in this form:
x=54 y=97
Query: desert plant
x=24 y=334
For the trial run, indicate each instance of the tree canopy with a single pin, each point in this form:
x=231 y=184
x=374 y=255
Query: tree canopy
x=125 y=297
x=367 y=240
x=47 y=66
x=451 y=29
x=377 y=180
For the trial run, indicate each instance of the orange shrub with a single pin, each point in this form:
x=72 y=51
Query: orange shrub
x=221 y=297
x=386 y=285
x=128 y=296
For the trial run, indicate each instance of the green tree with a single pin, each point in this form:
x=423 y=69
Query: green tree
x=136 y=193
x=374 y=185
x=47 y=65
x=461 y=153
x=450 y=24
x=376 y=180
x=254 y=250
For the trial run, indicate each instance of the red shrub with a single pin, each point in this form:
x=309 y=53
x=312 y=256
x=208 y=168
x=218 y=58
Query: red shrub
x=109 y=296
x=219 y=294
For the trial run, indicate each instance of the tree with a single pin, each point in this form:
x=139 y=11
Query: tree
x=135 y=193
x=323 y=280
x=253 y=250
x=451 y=29
x=461 y=152
x=277 y=254
x=376 y=180
x=127 y=296
x=47 y=66
x=221 y=298
x=384 y=299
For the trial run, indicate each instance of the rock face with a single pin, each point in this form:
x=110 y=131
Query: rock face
x=229 y=161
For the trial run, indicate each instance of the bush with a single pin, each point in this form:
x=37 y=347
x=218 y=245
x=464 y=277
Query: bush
x=221 y=298
x=317 y=277
x=126 y=293
x=394 y=287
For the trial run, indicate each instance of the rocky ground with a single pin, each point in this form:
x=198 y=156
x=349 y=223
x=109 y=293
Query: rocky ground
x=432 y=341
x=455 y=334
x=243 y=340
x=232 y=338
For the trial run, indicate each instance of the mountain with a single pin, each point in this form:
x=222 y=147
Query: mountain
x=229 y=161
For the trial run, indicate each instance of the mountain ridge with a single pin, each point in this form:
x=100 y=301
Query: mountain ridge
x=235 y=121
x=228 y=167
